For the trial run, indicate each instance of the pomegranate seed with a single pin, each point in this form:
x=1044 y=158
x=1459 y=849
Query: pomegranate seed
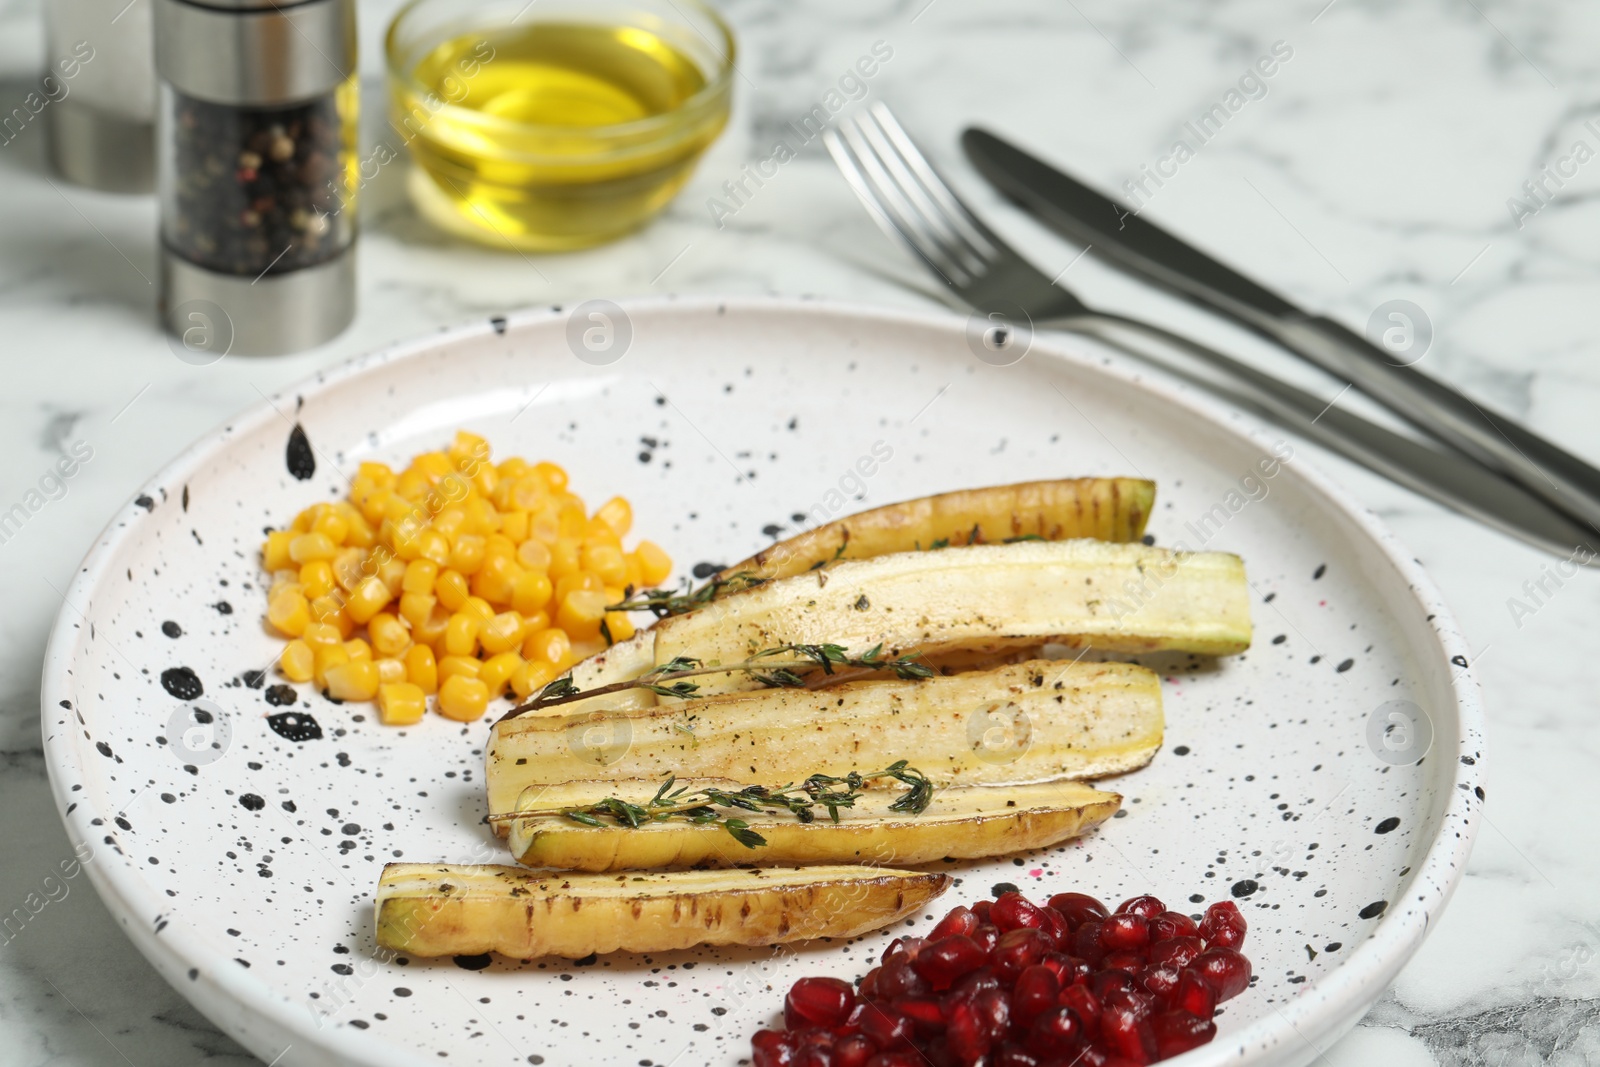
x=899 y=979
x=927 y=1013
x=853 y=1050
x=1078 y=908
x=970 y=986
x=885 y=1027
x=903 y=946
x=1055 y=926
x=986 y=935
x=1013 y=911
x=1177 y=1032
x=1160 y=981
x=818 y=1002
x=1085 y=1005
x=771 y=1048
x=1125 y=932
x=1017 y=950
x=1057 y=1032
x=1105 y=983
x=898 y=1058
x=1140 y=1003
x=993 y=1009
x=1036 y=992
x=1223 y=926
x=966 y=1035
x=1178 y=950
x=1131 y=962
x=1014 y=1056
x=1125 y=1033
x=1170 y=924
x=1086 y=943
x=947 y=959
x=868 y=986
x=960 y=921
x=1194 y=996
x=981 y=910
x=1146 y=907
x=1225 y=970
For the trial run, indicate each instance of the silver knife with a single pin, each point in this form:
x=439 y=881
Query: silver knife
x=1139 y=247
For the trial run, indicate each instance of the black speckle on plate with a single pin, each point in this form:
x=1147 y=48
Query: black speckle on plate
x=223 y=607
x=171 y=629
x=1375 y=909
x=1386 y=826
x=302 y=463
x=472 y=963
x=280 y=695
x=103 y=748
x=182 y=683
x=1003 y=887
x=1181 y=750
x=499 y=323
x=295 y=726
x=251 y=802
x=1244 y=887
x=1322 y=568
x=145 y=502
x=254 y=679
x=706 y=570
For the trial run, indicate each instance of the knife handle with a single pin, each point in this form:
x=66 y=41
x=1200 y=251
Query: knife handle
x=1540 y=467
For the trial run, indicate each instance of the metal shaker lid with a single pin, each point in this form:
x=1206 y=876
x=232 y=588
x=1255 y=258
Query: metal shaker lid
x=255 y=53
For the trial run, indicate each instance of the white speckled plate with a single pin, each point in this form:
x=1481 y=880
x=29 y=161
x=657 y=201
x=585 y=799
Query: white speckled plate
x=1296 y=778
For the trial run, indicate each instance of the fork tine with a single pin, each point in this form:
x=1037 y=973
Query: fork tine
x=882 y=201
x=931 y=215
x=981 y=236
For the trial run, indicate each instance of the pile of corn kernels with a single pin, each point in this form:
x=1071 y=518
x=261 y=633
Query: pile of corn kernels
x=455 y=579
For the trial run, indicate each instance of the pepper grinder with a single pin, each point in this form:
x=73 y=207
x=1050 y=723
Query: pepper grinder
x=102 y=88
x=255 y=168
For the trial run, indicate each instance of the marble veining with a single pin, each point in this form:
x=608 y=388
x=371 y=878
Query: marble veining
x=1380 y=165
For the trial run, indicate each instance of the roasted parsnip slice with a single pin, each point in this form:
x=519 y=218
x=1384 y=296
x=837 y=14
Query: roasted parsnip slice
x=1107 y=509
x=963 y=822
x=449 y=910
x=1027 y=722
x=1125 y=598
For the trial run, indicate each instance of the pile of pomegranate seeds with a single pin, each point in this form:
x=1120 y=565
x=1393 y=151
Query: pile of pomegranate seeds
x=1010 y=984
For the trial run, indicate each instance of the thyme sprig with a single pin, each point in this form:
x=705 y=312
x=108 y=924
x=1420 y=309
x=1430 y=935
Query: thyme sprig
x=668 y=679
x=701 y=806
x=664 y=602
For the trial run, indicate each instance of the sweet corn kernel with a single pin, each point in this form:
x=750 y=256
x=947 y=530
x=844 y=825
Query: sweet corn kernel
x=495 y=579
x=467 y=554
x=328 y=657
x=433 y=545
x=616 y=513
x=619 y=626
x=331 y=525
x=531 y=591
x=468 y=448
x=309 y=546
x=431 y=632
x=462 y=699
x=327 y=608
x=581 y=612
x=531 y=677
x=565 y=558
x=318 y=634
x=421 y=574
x=283 y=578
x=297 y=662
x=633 y=575
x=361 y=533
x=288 y=611
x=392 y=572
x=576 y=581
x=553 y=476
x=358 y=648
x=451 y=589
x=349 y=567
x=302 y=522
x=389 y=637
x=461 y=637
x=316 y=578
x=356 y=680
x=654 y=564
x=544 y=526
x=476 y=605
x=605 y=561
x=534 y=555
x=275 y=550
x=502 y=632
x=574 y=521
x=529 y=492
x=367 y=599
x=513 y=468
x=450 y=666
x=390 y=670
x=376 y=505
x=422 y=670
x=416 y=607
x=550 y=646
x=380 y=473
x=514 y=525
x=497 y=671
x=596 y=532
x=401 y=703
x=450 y=522
x=342 y=623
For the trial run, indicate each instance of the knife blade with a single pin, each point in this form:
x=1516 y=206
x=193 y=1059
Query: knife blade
x=1140 y=247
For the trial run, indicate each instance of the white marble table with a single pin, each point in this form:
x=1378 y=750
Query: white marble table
x=1377 y=166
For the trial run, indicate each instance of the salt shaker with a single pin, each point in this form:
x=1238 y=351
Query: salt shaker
x=102 y=92
x=255 y=169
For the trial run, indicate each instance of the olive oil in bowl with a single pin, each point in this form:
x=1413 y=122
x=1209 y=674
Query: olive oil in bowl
x=558 y=132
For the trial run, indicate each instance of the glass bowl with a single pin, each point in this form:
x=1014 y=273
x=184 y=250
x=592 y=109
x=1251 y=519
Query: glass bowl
x=554 y=124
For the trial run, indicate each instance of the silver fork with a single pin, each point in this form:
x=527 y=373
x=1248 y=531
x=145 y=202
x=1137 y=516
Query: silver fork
x=916 y=207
